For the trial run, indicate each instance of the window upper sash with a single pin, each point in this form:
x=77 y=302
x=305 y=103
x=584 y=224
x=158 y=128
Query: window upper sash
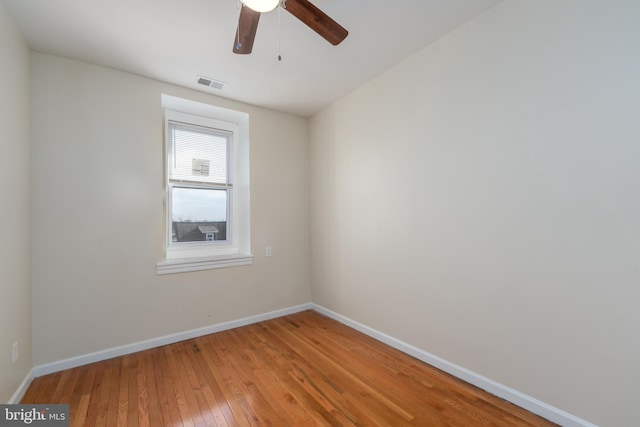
x=199 y=154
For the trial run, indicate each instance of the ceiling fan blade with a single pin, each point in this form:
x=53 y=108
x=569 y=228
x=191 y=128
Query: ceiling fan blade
x=317 y=20
x=246 y=32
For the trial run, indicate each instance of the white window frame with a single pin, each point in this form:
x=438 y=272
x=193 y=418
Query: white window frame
x=236 y=250
x=203 y=248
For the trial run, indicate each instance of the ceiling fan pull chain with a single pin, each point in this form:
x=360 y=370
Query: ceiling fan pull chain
x=279 y=38
x=238 y=44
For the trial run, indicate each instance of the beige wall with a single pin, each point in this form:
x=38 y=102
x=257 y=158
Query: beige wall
x=98 y=215
x=480 y=201
x=15 y=207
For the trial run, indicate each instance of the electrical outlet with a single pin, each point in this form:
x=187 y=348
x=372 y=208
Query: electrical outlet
x=14 y=352
x=267 y=251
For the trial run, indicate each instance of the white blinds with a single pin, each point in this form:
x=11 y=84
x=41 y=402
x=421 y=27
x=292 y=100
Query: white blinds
x=199 y=154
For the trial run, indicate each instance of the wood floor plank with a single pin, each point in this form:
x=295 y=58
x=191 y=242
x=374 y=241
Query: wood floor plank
x=298 y=370
x=169 y=402
x=199 y=403
x=123 y=393
x=154 y=415
x=82 y=394
x=96 y=392
x=113 y=384
x=98 y=417
x=81 y=411
x=180 y=398
x=64 y=380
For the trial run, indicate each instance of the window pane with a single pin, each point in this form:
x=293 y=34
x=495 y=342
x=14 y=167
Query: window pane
x=199 y=154
x=198 y=214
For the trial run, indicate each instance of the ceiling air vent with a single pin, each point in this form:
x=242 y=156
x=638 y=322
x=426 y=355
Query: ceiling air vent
x=206 y=81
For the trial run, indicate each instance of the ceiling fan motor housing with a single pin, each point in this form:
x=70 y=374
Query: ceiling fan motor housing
x=261 y=5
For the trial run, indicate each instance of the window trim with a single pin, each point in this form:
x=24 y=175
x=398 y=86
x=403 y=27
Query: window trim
x=207 y=255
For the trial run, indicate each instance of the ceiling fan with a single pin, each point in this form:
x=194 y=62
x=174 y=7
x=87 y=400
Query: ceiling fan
x=306 y=12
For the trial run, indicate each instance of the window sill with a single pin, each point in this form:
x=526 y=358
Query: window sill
x=184 y=265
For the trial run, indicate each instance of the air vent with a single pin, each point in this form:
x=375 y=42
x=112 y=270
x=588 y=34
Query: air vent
x=206 y=81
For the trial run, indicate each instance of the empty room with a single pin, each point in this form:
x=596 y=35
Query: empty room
x=355 y=212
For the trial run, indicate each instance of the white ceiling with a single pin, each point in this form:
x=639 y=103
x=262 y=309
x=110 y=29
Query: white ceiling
x=176 y=40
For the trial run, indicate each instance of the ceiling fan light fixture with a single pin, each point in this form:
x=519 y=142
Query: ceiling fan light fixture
x=261 y=5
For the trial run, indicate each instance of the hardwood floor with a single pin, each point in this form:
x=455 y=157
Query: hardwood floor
x=299 y=370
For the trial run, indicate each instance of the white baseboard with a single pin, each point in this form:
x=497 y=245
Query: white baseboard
x=98 y=356
x=529 y=403
x=22 y=388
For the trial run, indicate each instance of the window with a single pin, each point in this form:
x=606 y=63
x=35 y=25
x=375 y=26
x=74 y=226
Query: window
x=207 y=187
x=200 y=186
